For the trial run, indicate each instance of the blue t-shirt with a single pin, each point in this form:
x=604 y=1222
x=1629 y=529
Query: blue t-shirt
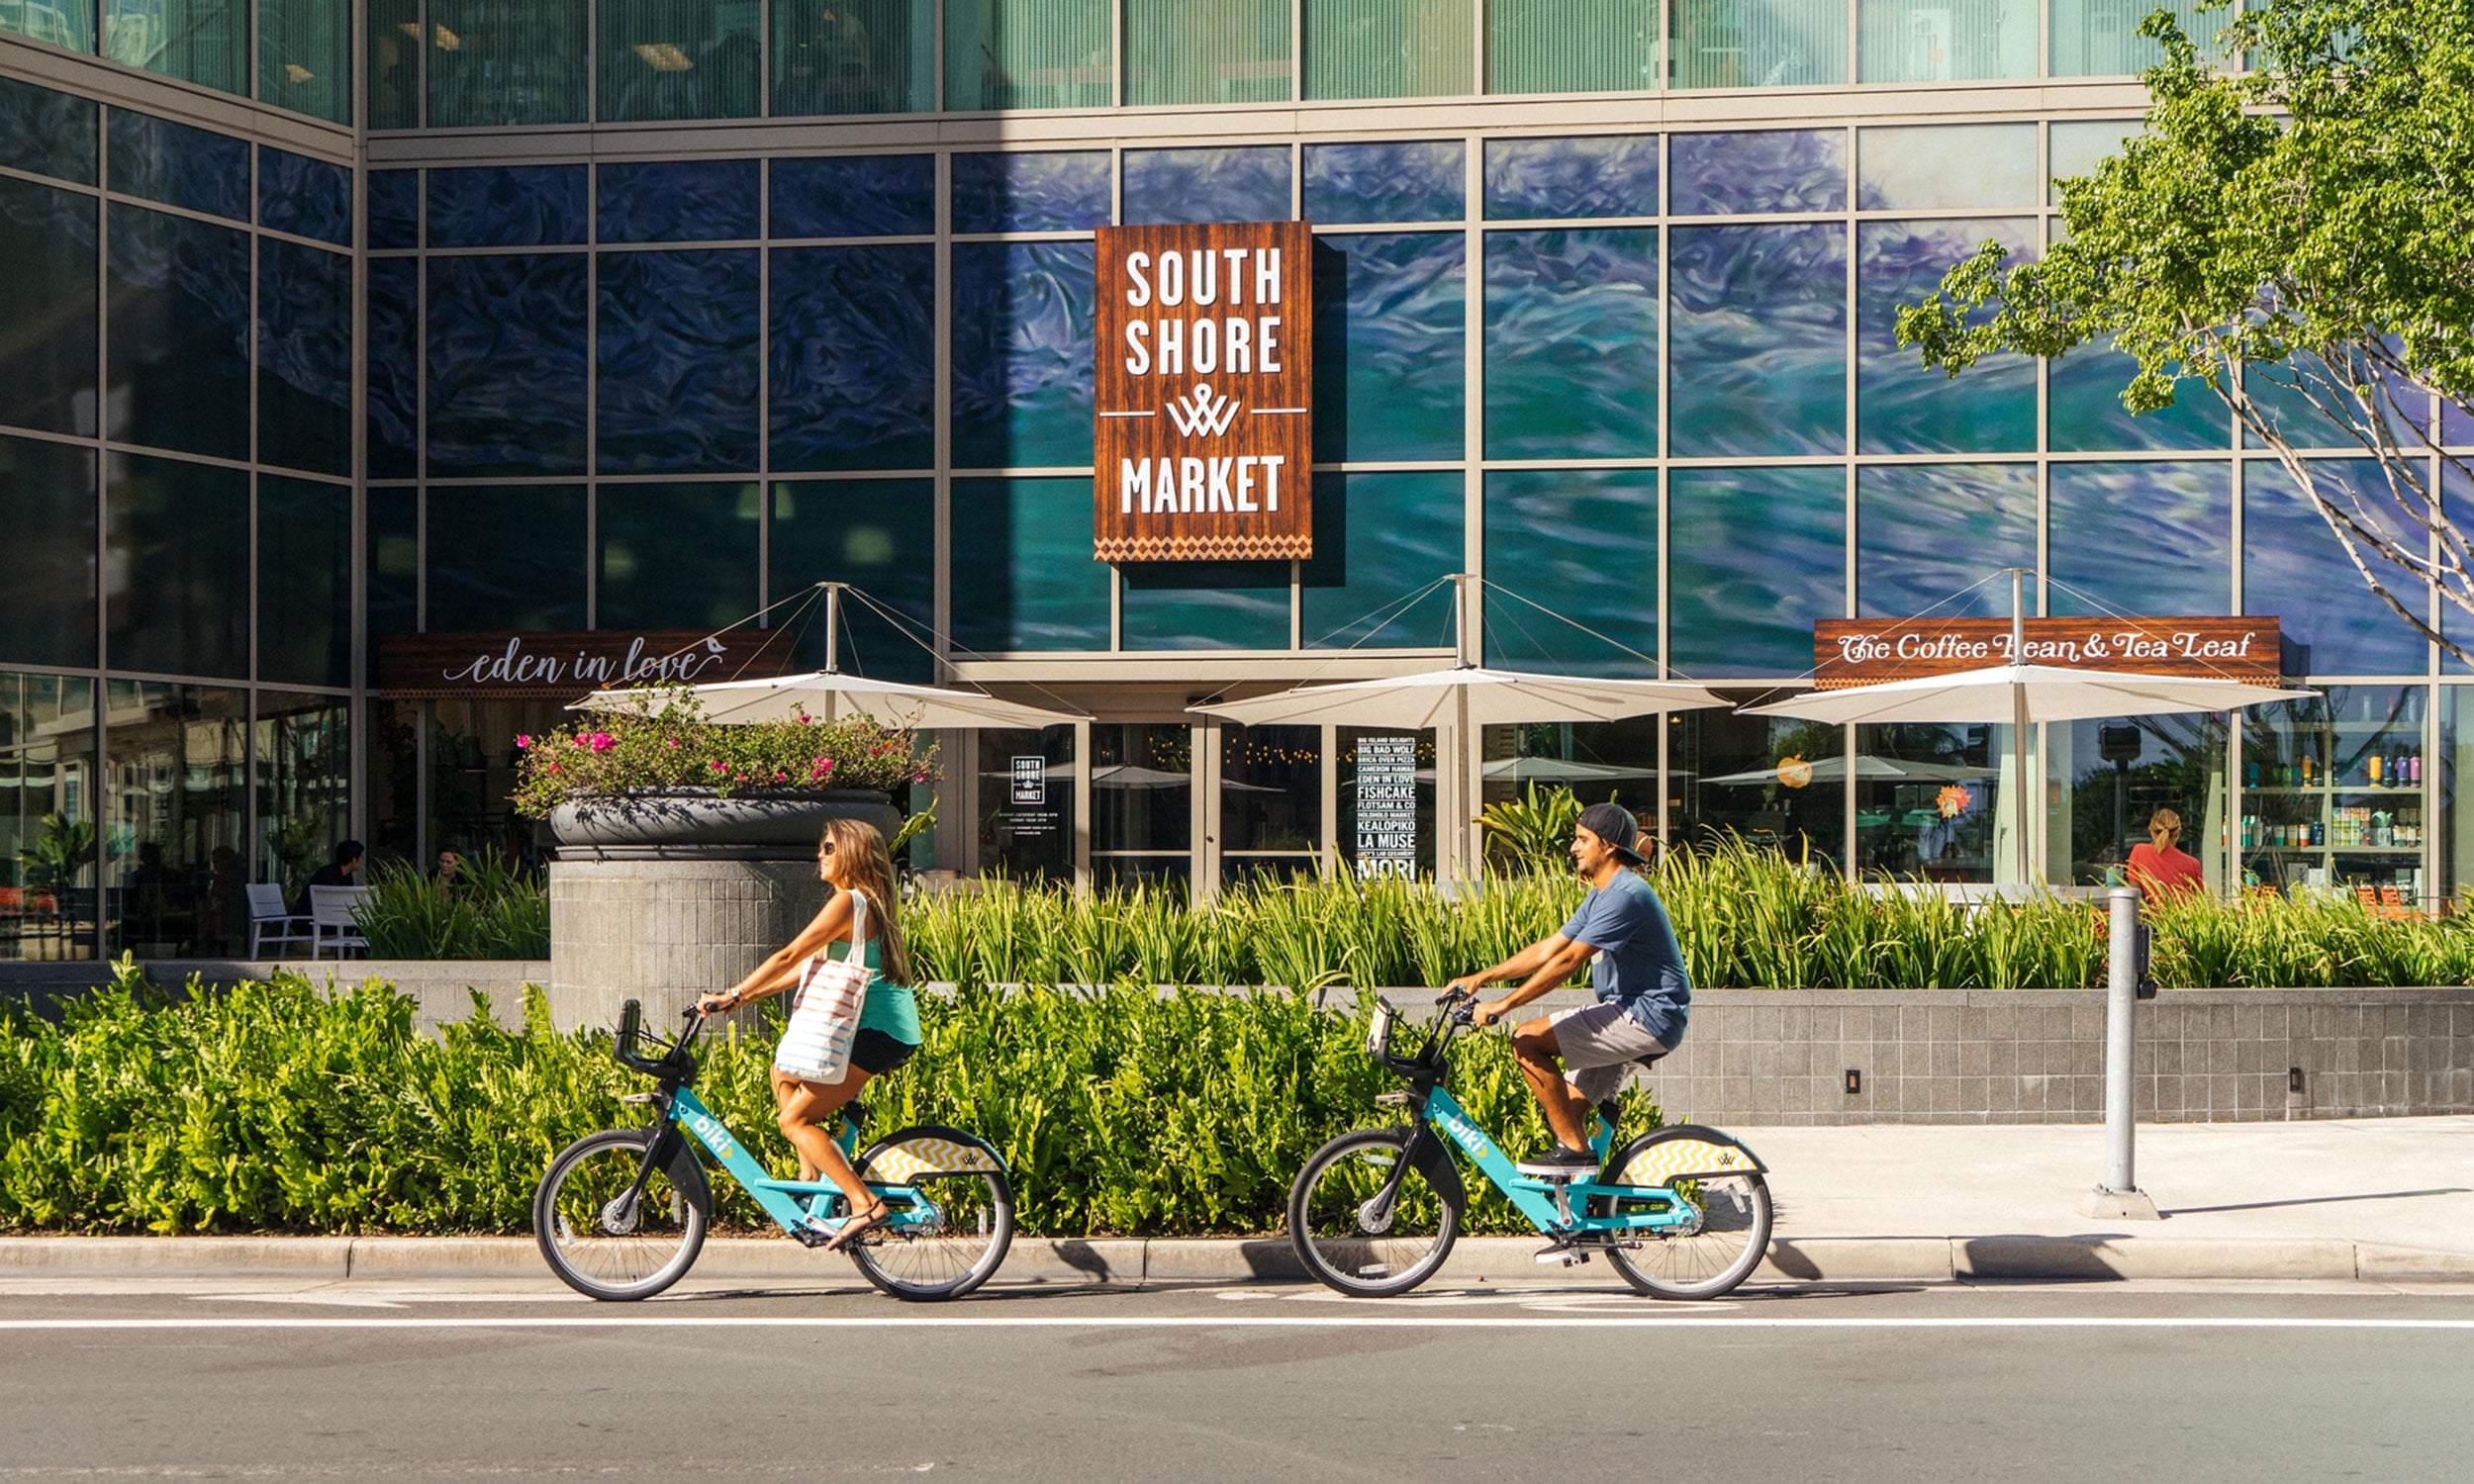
x=1639 y=966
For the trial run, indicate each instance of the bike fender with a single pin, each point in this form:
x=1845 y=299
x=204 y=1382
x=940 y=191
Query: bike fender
x=671 y=1152
x=929 y=1148
x=1430 y=1156
x=1686 y=1151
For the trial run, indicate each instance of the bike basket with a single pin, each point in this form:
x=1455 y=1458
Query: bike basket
x=1378 y=1030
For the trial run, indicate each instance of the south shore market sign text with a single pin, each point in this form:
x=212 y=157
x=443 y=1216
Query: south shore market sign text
x=1205 y=390
x=1866 y=651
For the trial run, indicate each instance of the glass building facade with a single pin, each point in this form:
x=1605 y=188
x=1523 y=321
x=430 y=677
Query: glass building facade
x=640 y=315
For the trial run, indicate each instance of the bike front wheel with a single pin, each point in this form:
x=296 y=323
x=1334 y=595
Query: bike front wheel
x=961 y=1245
x=1701 y=1261
x=1362 y=1232
x=603 y=1244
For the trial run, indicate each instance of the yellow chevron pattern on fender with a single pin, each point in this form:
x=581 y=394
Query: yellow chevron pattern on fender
x=913 y=1158
x=1683 y=1159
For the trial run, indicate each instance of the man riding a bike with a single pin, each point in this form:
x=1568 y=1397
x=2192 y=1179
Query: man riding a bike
x=1644 y=995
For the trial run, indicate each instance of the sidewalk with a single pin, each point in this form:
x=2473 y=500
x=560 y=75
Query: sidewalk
x=2375 y=1199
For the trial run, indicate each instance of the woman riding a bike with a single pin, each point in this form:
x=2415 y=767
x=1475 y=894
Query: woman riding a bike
x=853 y=859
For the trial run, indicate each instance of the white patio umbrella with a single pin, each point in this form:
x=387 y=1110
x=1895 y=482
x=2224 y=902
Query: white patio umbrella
x=1464 y=697
x=2022 y=696
x=830 y=693
x=1867 y=769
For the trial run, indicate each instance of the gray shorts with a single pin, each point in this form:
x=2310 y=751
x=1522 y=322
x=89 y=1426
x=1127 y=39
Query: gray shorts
x=1599 y=1045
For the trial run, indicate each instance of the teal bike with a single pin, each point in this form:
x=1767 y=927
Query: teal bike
x=1679 y=1213
x=621 y=1214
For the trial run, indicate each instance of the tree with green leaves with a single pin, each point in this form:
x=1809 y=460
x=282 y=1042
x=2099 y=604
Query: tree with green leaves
x=2296 y=239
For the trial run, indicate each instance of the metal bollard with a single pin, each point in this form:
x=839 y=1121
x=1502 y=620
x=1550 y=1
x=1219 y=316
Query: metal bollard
x=2119 y=1197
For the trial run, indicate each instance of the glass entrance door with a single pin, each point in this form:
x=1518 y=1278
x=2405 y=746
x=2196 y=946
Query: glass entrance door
x=1142 y=804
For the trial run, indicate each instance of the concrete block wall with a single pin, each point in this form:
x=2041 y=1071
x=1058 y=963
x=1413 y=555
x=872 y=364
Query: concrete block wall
x=663 y=932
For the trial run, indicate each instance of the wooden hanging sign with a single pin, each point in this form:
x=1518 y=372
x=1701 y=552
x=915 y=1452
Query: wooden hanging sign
x=1205 y=393
x=443 y=666
x=1866 y=651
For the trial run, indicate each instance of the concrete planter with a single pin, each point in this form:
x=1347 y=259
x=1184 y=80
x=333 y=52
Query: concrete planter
x=697 y=824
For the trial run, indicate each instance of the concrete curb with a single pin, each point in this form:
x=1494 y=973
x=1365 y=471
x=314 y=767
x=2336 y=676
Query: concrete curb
x=1132 y=1261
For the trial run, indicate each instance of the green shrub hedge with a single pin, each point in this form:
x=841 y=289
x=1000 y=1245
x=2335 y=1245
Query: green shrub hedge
x=274 y=1107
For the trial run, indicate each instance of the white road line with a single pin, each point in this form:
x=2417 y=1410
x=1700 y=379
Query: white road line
x=1229 y=1321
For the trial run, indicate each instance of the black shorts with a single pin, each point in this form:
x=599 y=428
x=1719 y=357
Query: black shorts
x=876 y=1054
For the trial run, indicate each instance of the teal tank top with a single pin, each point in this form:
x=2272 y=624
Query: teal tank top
x=889 y=1007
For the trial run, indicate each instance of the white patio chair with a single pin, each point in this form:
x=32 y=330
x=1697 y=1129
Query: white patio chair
x=330 y=919
x=270 y=921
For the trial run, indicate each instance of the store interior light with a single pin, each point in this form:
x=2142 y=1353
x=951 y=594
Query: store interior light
x=299 y=73
x=663 y=57
x=448 y=41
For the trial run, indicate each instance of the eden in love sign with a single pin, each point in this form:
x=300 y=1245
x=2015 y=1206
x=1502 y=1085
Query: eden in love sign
x=1205 y=390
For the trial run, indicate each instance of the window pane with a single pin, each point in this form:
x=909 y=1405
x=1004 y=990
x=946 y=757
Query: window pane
x=1389 y=327
x=48 y=328
x=48 y=506
x=862 y=196
x=880 y=536
x=393 y=351
x=1922 y=40
x=1757 y=556
x=507 y=365
x=1378 y=538
x=177 y=772
x=678 y=556
x=506 y=61
x=394 y=64
x=205 y=42
x=1722 y=770
x=854 y=56
x=681 y=60
x=1927 y=532
x=1030 y=192
x=180 y=165
x=1759 y=339
x=394 y=561
x=2084 y=412
x=1026 y=53
x=1027 y=836
x=304 y=798
x=304 y=56
x=1614 y=176
x=393 y=209
x=679 y=362
x=180 y=333
x=1759 y=43
x=47 y=817
x=1767 y=170
x=1206 y=51
x=1271 y=789
x=1602 y=591
x=1572 y=344
x=1206 y=606
x=46 y=133
x=1245 y=184
x=64 y=23
x=2177 y=516
x=512 y=206
x=305 y=357
x=1022 y=551
x=1571 y=45
x=854 y=358
x=507 y=557
x=2076 y=150
x=1142 y=797
x=2097 y=813
x=2293 y=567
x=1389 y=49
x=306 y=197
x=304 y=582
x=1960 y=165
x=2100 y=38
x=1419 y=181
x=1023 y=355
x=1951 y=818
x=186 y=527
x=1903 y=405
x=679 y=201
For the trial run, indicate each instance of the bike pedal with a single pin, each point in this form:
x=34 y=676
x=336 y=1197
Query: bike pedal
x=1561 y=1254
x=810 y=1235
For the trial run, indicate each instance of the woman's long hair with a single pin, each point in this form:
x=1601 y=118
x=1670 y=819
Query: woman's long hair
x=860 y=858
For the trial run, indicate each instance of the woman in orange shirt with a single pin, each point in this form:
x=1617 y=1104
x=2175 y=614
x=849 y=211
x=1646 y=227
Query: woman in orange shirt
x=2160 y=868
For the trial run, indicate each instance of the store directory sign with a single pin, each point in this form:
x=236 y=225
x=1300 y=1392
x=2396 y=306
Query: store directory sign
x=1205 y=393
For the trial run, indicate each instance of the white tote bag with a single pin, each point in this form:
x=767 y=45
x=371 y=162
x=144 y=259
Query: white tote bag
x=816 y=1045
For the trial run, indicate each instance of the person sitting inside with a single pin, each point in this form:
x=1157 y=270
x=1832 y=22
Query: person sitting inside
x=337 y=871
x=2160 y=868
x=1644 y=995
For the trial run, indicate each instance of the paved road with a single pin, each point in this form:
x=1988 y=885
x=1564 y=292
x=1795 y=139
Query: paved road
x=165 y=1379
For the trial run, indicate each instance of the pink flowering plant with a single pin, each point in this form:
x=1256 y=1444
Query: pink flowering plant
x=662 y=744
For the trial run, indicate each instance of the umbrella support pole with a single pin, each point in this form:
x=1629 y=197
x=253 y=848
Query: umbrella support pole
x=2119 y=1197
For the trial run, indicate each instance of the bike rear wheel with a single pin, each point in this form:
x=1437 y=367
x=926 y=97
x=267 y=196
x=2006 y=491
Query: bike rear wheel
x=965 y=1243
x=603 y=1248
x=1709 y=1261
x=1351 y=1244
